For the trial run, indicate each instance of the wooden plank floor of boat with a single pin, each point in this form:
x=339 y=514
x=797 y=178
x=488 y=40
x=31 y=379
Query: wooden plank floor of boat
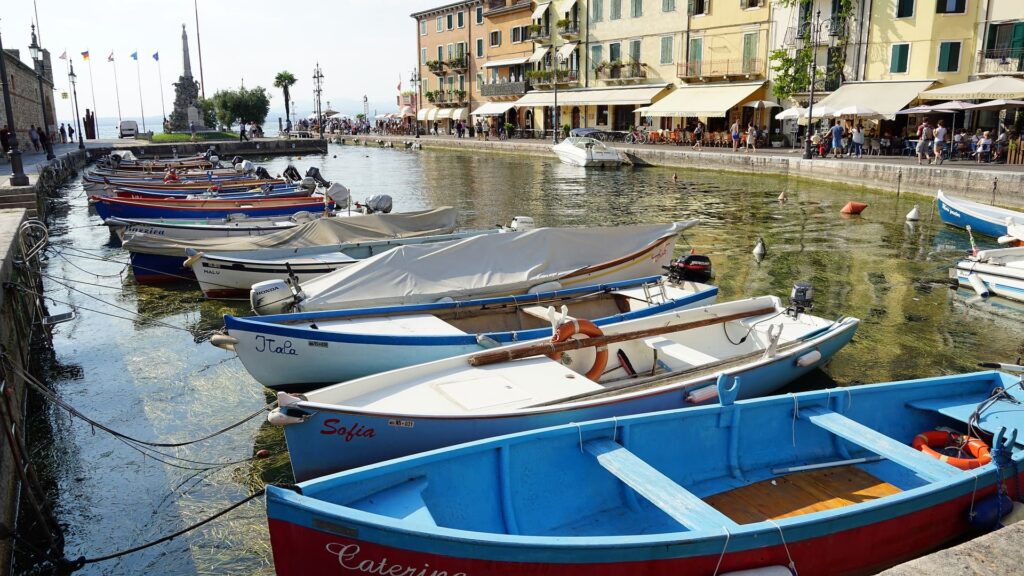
x=800 y=493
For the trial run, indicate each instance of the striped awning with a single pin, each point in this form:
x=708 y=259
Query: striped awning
x=566 y=49
x=541 y=9
x=444 y=113
x=623 y=96
x=538 y=54
x=432 y=114
x=460 y=114
x=493 y=109
x=711 y=101
x=422 y=114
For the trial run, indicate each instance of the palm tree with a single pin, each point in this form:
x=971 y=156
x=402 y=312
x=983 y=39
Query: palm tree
x=285 y=80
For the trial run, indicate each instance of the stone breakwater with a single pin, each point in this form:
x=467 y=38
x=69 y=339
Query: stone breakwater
x=999 y=184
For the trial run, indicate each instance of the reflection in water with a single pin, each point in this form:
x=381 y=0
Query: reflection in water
x=155 y=378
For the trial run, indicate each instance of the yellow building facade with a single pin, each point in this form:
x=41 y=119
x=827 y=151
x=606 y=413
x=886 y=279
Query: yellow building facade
x=446 y=65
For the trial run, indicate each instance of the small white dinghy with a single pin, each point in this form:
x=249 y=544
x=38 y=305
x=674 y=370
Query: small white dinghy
x=584 y=151
x=999 y=272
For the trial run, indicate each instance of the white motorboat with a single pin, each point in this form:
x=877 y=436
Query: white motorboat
x=999 y=272
x=583 y=151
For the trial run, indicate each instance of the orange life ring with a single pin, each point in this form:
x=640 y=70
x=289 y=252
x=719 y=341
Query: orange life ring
x=927 y=442
x=587 y=328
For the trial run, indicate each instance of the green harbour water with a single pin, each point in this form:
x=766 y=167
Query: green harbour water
x=136 y=357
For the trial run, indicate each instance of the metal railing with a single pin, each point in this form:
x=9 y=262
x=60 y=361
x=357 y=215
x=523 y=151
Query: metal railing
x=570 y=29
x=749 y=67
x=564 y=77
x=505 y=88
x=1000 y=61
x=542 y=34
x=625 y=72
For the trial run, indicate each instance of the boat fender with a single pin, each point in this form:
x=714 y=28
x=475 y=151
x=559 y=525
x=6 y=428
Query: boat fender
x=809 y=359
x=545 y=287
x=194 y=257
x=286 y=399
x=286 y=416
x=988 y=511
x=703 y=394
x=978 y=285
x=763 y=571
x=224 y=341
x=1006 y=239
x=444 y=300
x=485 y=341
x=587 y=328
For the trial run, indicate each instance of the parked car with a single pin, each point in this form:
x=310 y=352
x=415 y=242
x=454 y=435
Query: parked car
x=128 y=129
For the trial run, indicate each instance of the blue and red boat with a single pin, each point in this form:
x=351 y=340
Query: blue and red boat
x=254 y=190
x=211 y=208
x=982 y=218
x=840 y=481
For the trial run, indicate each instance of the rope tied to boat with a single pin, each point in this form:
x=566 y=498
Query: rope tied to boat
x=724 y=548
x=792 y=564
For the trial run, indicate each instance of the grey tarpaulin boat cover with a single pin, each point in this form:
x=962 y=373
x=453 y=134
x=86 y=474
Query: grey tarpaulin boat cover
x=494 y=264
x=319 y=232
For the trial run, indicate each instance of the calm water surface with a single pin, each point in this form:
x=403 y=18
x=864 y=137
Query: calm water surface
x=136 y=358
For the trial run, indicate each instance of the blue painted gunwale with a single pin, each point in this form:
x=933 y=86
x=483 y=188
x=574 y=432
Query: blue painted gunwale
x=960 y=216
x=107 y=209
x=230 y=193
x=287 y=506
x=274 y=324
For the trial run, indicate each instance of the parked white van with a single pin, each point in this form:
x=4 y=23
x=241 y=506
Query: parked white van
x=128 y=129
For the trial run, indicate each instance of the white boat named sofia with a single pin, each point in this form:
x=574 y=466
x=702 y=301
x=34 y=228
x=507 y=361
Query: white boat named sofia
x=999 y=272
x=584 y=151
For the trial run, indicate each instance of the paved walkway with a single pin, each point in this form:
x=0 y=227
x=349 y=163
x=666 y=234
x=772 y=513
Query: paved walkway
x=790 y=153
x=32 y=160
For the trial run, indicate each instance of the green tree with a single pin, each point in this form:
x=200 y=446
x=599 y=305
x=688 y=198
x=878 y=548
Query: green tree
x=285 y=80
x=208 y=111
x=245 y=104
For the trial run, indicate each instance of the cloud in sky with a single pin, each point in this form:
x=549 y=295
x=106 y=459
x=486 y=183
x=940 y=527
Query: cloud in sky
x=362 y=47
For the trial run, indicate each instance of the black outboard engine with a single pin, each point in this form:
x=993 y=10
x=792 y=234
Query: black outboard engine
x=378 y=203
x=291 y=174
x=314 y=173
x=262 y=173
x=693 y=268
x=236 y=160
x=801 y=298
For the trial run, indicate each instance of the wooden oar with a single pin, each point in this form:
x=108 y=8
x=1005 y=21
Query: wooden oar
x=516 y=353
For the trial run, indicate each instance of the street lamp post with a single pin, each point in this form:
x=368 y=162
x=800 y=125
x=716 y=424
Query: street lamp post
x=814 y=36
x=74 y=94
x=18 y=177
x=414 y=79
x=37 y=57
x=555 y=59
x=318 y=78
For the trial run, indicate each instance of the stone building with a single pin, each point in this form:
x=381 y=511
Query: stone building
x=24 y=88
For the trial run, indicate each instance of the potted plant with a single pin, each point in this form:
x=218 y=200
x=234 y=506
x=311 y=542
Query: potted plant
x=457 y=63
x=776 y=139
x=460 y=95
x=565 y=130
x=534 y=29
x=431 y=96
x=563 y=23
x=509 y=128
x=601 y=66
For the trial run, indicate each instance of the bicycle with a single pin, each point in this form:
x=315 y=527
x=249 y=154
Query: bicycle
x=636 y=137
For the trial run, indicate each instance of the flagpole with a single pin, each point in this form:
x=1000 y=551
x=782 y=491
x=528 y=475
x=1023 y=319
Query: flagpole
x=71 y=104
x=160 y=78
x=117 y=91
x=95 y=115
x=138 y=77
x=199 y=45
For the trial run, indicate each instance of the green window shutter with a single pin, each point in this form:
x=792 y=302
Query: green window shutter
x=898 y=61
x=1017 y=42
x=638 y=8
x=944 y=57
x=990 y=42
x=616 y=10
x=707 y=6
x=666 y=50
x=690 y=6
x=749 y=47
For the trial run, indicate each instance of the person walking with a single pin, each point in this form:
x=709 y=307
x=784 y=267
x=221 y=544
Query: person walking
x=925 y=136
x=487 y=127
x=33 y=135
x=837 y=138
x=858 y=141
x=940 y=141
x=698 y=135
x=63 y=135
x=751 y=138
x=192 y=129
x=734 y=133
x=5 y=139
x=71 y=133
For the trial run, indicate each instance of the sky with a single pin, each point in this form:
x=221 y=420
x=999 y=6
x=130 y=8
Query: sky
x=363 y=46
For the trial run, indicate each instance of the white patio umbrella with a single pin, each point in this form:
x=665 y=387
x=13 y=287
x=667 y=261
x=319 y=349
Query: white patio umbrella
x=950 y=106
x=996 y=104
x=857 y=111
x=791 y=113
x=915 y=110
x=987 y=88
x=762 y=105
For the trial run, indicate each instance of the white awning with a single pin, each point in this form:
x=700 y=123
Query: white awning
x=566 y=49
x=493 y=109
x=886 y=97
x=405 y=111
x=422 y=114
x=460 y=114
x=505 y=62
x=711 y=101
x=568 y=6
x=538 y=54
x=624 y=96
x=432 y=114
x=444 y=113
x=541 y=9
x=993 y=88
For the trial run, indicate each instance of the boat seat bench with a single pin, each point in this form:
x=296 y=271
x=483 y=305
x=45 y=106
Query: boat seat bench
x=898 y=452
x=671 y=498
x=675 y=356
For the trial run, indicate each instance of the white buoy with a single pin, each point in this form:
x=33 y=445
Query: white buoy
x=1006 y=239
x=915 y=214
x=782 y=196
x=760 y=249
x=979 y=285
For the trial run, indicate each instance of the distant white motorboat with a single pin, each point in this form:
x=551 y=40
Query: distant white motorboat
x=583 y=151
x=999 y=272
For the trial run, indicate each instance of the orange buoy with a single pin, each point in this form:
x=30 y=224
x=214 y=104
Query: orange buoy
x=853 y=208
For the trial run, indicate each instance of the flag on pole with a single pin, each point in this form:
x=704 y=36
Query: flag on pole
x=135 y=55
x=85 y=55
x=156 y=56
x=111 y=57
x=399 y=83
x=64 y=55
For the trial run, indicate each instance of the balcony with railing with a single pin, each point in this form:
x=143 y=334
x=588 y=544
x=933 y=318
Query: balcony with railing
x=539 y=33
x=492 y=7
x=1002 y=61
x=446 y=97
x=721 y=69
x=549 y=78
x=569 y=30
x=622 y=73
x=458 y=63
x=436 y=66
x=505 y=89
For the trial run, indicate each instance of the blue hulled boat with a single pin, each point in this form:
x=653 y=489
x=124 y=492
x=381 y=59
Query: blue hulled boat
x=982 y=218
x=840 y=481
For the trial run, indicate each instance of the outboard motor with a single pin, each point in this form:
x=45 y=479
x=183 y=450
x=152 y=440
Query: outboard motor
x=262 y=173
x=275 y=296
x=308 y=184
x=215 y=160
x=801 y=298
x=314 y=173
x=236 y=160
x=690 y=268
x=243 y=167
x=291 y=174
x=378 y=203
x=339 y=194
